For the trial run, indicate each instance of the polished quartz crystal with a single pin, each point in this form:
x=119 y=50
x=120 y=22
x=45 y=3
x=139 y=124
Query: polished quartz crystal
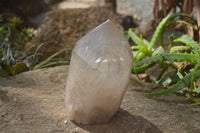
x=98 y=75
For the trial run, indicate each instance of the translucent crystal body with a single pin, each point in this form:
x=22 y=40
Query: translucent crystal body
x=98 y=76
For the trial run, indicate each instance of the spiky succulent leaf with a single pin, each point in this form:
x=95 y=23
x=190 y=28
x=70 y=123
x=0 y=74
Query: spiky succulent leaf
x=178 y=37
x=162 y=25
x=171 y=79
x=179 y=49
x=178 y=57
x=185 y=81
x=134 y=37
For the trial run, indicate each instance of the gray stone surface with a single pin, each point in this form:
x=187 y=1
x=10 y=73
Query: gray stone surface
x=138 y=8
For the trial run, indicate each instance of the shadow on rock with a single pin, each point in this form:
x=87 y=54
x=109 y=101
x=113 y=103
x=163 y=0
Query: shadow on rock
x=21 y=81
x=3 y=96
x=123 y=122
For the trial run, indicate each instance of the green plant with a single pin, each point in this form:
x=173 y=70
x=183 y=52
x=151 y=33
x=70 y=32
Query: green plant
x=13 y=58
x=182 y=49
x=13 y=38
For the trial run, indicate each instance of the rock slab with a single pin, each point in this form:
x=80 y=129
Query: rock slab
x=34 y=102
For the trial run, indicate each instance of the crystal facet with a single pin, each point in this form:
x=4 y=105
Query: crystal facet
x=98 y=75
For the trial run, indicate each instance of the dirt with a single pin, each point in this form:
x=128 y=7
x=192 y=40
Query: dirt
x=34 y=102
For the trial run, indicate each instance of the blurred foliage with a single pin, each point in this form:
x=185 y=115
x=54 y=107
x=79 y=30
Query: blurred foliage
x=13 y=58
x=13 y=38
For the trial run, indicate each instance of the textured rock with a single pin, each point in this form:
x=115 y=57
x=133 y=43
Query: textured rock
x=99 y=73
x=33 y=102
x=63 y=28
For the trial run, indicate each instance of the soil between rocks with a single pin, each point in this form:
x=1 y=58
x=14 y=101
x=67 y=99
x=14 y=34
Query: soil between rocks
x=34 y=102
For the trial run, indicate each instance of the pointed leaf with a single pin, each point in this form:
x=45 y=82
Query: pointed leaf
x=134 y=37
x=43 y=63
x=6 y=67
x=19 y=67
x=162 y=26
x=171 y=79
x=179 y=48
x=3 y=73
x=178 y=86
x=178 y=37
x=197 y=90
x=179 y=57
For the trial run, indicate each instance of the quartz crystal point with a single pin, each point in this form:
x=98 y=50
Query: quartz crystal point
x=99 y=72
